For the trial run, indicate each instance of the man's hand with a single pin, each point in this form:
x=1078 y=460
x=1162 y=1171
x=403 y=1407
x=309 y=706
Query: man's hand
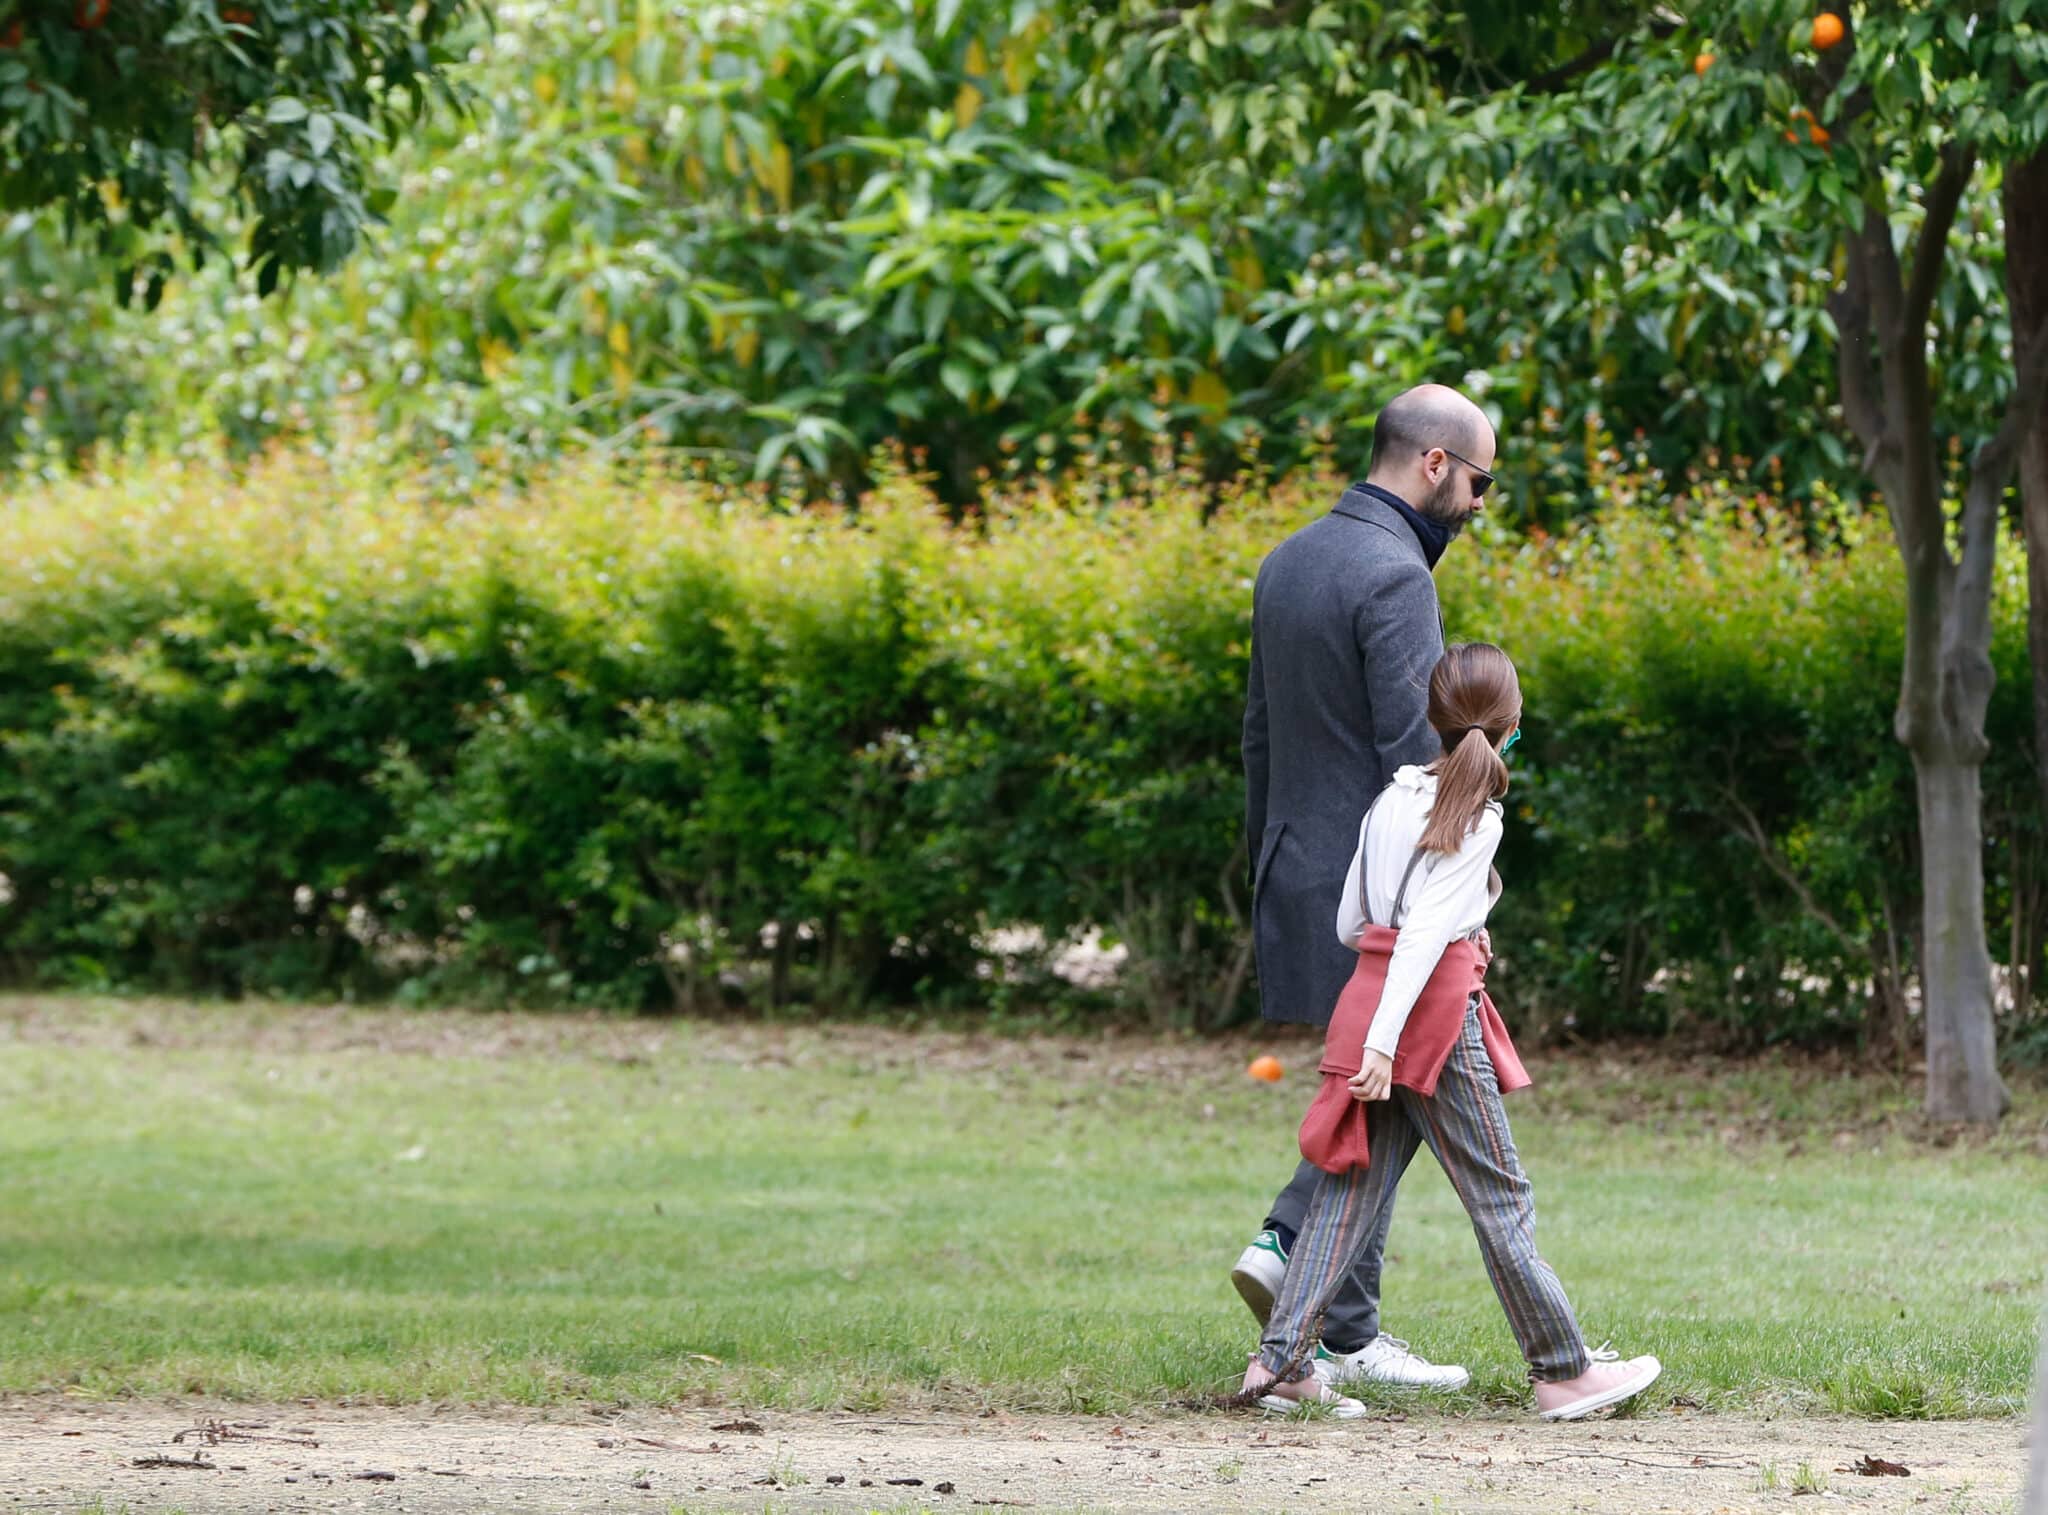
x=1375 y=1078
x=1485 y=940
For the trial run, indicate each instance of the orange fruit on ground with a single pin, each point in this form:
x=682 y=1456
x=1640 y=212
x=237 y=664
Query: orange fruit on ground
x=1827 y=30
x=1265 y=1069
x=1702 y=63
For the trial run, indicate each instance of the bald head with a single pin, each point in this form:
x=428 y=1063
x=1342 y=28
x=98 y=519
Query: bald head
x=1431 y=415
x=1433 y=446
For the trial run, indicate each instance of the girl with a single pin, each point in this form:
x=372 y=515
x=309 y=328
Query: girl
x=1432 y=1065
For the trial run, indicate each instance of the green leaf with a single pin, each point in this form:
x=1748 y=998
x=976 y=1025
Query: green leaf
x=770 y=456
x=1720 y=287
x=938 y=309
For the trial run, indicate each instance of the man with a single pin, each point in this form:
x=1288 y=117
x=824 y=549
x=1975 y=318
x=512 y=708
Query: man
x=1345 y=631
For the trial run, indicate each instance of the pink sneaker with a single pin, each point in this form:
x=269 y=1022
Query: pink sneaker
x=1606 y=1382
x=1312 y=1390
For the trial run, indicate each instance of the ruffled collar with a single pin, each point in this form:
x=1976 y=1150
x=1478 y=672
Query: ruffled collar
x=1416 y=779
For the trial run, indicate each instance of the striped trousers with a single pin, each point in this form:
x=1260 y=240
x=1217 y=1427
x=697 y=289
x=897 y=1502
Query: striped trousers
x=1466 y=1126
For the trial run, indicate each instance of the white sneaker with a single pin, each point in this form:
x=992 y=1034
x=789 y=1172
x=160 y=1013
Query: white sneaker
x=1389 y=1360
x=1259 y=1271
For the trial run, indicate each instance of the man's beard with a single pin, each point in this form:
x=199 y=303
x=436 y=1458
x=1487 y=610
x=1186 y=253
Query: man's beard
x=1439 y=505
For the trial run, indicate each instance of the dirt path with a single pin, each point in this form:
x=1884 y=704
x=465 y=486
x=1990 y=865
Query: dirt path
x=65 y=1455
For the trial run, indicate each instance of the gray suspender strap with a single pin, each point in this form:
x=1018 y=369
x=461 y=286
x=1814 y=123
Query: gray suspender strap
x=1365 y=860
x=1401 y=898
x=1365 y=867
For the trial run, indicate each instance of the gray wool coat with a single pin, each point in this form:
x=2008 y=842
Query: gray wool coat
x=1345 y=632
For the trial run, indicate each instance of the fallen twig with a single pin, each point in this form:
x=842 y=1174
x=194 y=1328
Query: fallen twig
x=1669 y=1467
x=214 y=1432
x=1237 y=1399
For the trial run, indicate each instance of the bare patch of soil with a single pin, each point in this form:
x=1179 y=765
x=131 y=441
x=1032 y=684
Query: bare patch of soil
x=62 y=1455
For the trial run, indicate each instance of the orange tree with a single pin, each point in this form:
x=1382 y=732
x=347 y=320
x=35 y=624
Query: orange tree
x=1010 y=236
x=1005 y=235
x=1850 y=144
x=114 y=111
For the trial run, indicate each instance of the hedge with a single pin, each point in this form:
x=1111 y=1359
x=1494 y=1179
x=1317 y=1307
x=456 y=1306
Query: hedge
x=633 y=740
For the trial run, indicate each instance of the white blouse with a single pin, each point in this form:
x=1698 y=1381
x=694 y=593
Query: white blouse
x=1449 y=895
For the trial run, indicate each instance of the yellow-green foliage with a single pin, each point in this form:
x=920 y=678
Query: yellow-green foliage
x=623 y=737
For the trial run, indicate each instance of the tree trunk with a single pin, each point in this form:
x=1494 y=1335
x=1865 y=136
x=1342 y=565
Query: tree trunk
x=2034 y=508
x=1955 y=967
x=1881 y=316
x=2026 y=288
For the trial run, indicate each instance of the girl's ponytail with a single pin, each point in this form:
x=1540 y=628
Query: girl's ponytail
x=1475 y=701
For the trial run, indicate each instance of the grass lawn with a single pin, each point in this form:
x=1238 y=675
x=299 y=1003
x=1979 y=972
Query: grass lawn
x=269 y=1203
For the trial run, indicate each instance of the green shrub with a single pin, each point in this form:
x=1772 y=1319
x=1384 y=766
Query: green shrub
x=636 y=740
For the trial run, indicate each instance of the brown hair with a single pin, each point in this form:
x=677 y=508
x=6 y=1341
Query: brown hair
x=1475 y=700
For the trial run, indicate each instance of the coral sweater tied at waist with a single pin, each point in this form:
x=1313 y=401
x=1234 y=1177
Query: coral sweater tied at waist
x=1333 y=1131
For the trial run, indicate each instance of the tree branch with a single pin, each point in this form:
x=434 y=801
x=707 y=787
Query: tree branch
x=1901 y=460
x=1751 y=830
x=1850 y=307
x=1887 y=288
x=1552 y=80
x=1990 y=470
x=2022 y=406
x=1958 y=163
x=1904 y=465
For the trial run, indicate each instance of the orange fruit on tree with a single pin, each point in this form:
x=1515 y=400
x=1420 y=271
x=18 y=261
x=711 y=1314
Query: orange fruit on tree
x=1818 y=135
x=1793 y=138
x=1702 y=63
x=1265 y=1069
x=1827 y=30
x=12 y=35
x=90 y=15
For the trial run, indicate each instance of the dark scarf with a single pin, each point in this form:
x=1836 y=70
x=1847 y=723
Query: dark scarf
x=1433 y=535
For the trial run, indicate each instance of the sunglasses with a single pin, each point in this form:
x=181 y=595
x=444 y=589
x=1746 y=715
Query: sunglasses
x=1485 y=479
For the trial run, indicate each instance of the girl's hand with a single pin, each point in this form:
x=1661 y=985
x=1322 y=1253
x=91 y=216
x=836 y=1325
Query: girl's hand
x=1375 y=1078
x=1485 y=940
